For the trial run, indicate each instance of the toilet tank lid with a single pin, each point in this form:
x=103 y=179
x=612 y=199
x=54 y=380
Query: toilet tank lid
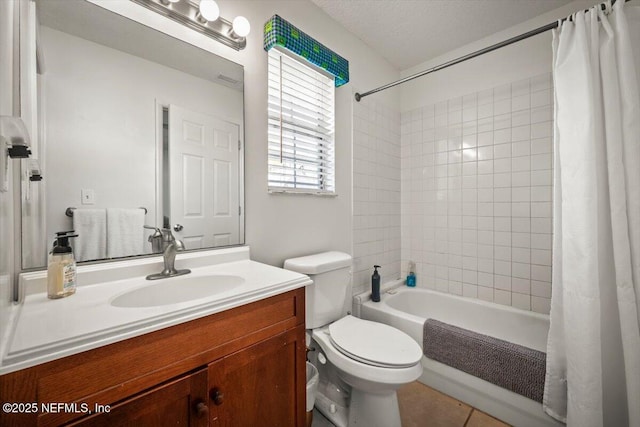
x=318 y=263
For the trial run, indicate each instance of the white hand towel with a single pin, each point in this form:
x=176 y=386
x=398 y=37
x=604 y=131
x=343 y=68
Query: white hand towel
x=125 y=232
x=91 y=227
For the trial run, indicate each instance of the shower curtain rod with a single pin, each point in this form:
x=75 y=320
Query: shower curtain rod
x=472 y=55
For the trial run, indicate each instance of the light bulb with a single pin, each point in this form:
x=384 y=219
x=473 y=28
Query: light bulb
x=209 y=10
x=241 y=26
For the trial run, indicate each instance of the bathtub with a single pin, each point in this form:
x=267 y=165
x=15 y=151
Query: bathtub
x=408 y=308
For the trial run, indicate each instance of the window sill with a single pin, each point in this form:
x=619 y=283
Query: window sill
x=292 y=191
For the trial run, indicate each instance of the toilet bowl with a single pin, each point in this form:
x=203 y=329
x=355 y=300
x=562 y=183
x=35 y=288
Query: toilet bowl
x=373 y=366
x=361 y=363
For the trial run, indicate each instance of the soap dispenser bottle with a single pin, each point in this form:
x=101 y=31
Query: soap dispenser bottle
x=375 y=284
x=61 y=271
x=411 y=277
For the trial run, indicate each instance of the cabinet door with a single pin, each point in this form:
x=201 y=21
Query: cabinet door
x=181 y=402
x=262 y=385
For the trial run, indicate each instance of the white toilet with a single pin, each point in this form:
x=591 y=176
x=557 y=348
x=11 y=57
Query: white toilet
x=361 y=363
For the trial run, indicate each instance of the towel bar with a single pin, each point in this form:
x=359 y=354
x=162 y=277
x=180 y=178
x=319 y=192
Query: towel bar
x=69 y=211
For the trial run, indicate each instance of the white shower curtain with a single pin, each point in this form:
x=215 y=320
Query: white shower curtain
x=593 y=350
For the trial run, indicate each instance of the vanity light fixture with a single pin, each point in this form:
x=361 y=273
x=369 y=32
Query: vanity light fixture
x=241 y=26
x=208 y=11
x=204 y=17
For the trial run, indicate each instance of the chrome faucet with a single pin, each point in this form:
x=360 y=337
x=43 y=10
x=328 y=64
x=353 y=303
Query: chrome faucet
x=170 y=247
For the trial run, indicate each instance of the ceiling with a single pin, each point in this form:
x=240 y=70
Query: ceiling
x=408 y=32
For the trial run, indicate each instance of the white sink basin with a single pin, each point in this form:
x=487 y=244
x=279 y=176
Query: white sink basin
x=176 y=290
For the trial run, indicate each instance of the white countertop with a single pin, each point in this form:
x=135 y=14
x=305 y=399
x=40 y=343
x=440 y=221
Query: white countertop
x=43 y=329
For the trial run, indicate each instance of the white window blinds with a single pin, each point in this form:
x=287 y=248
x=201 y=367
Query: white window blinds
x=301 y=127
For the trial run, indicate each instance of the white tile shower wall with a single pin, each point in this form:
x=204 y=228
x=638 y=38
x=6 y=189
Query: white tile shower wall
x=376 y=193
x=477 y=192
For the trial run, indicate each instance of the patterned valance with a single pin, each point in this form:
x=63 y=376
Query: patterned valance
x=279 y=32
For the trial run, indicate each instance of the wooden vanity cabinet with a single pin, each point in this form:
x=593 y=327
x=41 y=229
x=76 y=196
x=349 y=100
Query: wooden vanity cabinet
x=178 y=403
x=241 y=367
x=255 y=386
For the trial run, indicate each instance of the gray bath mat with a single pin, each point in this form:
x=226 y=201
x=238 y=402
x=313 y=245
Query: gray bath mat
x=511 y=366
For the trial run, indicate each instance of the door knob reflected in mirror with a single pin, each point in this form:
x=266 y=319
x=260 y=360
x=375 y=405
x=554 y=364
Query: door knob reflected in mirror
x=178 y=227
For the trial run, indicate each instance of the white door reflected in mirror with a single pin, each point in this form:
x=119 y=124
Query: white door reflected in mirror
x=204 y=165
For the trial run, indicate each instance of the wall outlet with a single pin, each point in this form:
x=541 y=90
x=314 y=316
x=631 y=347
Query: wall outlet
x=88 y=196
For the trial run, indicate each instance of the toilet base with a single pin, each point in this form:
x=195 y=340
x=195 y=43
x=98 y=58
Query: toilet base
x=337 y=414
x=365 y=410
x=374 y=410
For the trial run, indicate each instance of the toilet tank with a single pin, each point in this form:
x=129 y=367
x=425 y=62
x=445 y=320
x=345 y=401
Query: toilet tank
x=326 y=297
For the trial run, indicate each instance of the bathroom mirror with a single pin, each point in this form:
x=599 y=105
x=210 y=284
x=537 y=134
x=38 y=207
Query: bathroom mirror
x=137 y=128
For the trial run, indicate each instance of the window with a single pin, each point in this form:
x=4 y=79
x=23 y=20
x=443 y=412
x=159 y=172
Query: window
x=301 y=127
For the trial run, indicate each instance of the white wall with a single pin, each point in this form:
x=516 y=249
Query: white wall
x=283 y=226
x=100 y=110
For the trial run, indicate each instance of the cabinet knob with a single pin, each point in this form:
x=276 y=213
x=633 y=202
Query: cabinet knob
x=202 y=409
x=217 y=396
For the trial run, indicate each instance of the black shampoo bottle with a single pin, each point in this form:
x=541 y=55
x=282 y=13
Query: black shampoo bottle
x=375 y=284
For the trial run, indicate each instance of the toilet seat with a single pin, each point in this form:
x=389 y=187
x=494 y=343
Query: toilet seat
x=361 y=374
x=374 y=343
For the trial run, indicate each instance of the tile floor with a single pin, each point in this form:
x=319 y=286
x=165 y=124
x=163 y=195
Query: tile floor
x=422 y=406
